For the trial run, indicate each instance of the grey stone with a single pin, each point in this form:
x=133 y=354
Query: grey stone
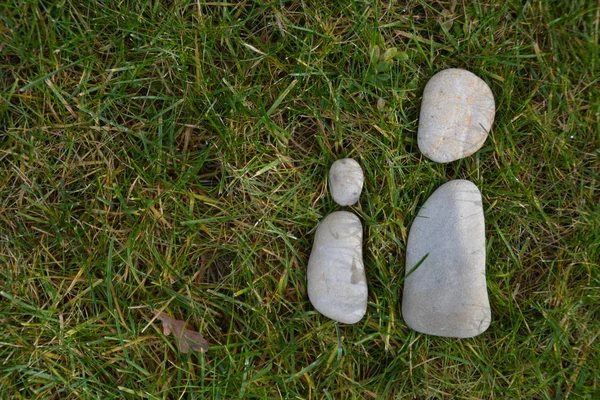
x=457 y=113
x=446 y=295
x=337 y=285
x=346 y=181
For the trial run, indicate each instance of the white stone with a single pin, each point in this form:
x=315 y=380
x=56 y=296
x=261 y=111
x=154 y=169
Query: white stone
x=457 y=113
x=446 y=295
x=346 y=181
x=337 y=285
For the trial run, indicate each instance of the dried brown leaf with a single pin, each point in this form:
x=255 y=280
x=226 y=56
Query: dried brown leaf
x=186 y=338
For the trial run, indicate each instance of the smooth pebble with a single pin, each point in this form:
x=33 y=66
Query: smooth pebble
x=457 y=113
x=336 y=281
x=346 y=181
x=446 y=295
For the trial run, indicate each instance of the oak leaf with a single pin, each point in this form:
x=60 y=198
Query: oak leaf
x=186 y=338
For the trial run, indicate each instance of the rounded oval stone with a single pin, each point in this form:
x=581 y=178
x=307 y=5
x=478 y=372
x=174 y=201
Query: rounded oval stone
x=457 y=113
x=346 y=181
x=336 y=281
x=445 y=292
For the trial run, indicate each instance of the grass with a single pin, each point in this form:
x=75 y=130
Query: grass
x=171 y=155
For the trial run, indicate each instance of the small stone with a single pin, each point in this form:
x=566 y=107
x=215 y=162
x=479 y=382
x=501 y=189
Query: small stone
x=446 y=295
x=336 y=281
x=457 y=113
x=346 y=181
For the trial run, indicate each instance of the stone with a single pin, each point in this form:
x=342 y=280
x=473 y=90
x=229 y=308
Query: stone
x=446 y=295
x=346 y=181
x=336 y=281
x=457 y=113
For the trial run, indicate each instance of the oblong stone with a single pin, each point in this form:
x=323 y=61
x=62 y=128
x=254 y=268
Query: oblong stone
x=446 y=295
x=457 y=113
x=336 y=281
x=346 y=181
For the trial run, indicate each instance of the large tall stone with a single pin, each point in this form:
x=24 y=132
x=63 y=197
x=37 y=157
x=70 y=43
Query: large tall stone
x=446 y=294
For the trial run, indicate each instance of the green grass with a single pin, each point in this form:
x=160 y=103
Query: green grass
x=171 y=155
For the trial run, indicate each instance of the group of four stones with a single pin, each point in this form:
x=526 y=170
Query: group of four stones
x=445 y=292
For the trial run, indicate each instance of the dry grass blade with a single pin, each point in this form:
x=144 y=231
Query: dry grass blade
x=186 y=338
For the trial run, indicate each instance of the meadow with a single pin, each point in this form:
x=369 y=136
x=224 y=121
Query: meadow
x=172 y=156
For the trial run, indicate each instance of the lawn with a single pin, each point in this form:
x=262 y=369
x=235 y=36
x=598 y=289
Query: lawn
x=172 y=156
